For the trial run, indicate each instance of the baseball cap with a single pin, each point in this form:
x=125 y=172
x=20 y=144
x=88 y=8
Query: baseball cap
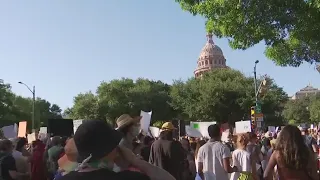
x=95 y=138
x=168 y=126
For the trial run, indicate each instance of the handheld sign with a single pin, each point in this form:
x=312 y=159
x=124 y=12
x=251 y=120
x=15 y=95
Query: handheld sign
x=243 y=127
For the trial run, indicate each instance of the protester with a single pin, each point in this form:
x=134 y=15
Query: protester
x=214 y=157
x=54 y=153
x=145 y=151
x=198 y=145
x=309 y=140
x=292 y=157
x=243 y=160
x=22 y=162
x=189 y=172
x=8 y=164
x=255 y=151
x=130 y=128
x=167 y=153
x=98 y=148
x=38 y=166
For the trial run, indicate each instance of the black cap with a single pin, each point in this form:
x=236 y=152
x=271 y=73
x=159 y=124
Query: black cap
x=95 y=138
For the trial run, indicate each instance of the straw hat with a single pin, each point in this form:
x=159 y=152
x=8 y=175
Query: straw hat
x=125 y=120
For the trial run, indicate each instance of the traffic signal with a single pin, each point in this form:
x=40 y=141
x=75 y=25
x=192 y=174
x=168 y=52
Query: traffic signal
x=253 y=114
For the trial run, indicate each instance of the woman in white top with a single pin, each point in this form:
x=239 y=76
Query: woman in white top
x=199 y=144
x=242 y=159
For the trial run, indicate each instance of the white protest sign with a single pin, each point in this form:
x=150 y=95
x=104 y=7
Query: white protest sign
x=191 y=132
x=145 y=121
x=154 y=131
x=271 y=129
x=43 y=130
x=225 y=135
x=9 y=131
x=76 y=124
x=243 y=126
x=42 y=133
x=31 y=137
x=202 y=127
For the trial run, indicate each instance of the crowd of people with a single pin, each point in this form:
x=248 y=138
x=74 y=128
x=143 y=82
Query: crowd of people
x=97 y=151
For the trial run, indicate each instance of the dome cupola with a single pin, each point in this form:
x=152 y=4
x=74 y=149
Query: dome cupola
x=211 y=57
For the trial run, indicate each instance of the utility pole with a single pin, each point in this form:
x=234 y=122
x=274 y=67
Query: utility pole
x=33 y=91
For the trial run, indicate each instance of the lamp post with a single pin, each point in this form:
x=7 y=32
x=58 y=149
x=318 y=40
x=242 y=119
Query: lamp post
x=255 y=89
x=33 y=91
x=255 y=81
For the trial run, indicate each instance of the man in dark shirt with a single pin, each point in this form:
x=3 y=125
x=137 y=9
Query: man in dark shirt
x=167 y=153
x=7 y=163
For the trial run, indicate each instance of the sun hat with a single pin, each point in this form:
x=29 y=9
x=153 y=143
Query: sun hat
x=68 y=161
x=125 y=120
x=95 y=139
x=168 y=126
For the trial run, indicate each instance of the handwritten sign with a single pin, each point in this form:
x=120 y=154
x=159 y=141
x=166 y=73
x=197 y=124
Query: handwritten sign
x=243 y=126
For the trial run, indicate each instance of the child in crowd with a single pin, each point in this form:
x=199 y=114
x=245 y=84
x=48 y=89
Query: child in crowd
x=243 y=160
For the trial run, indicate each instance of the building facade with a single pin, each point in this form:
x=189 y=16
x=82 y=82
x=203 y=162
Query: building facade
x=211 y=57
x=305 y=92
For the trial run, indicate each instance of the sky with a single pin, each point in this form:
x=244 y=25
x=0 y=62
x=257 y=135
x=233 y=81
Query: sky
x=64 y=47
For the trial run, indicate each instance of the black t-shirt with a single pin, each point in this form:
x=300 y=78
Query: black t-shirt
x=105 y=174
x=8 y=163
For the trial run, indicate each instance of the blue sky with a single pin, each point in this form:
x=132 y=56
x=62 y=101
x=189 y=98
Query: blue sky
x=67 y=47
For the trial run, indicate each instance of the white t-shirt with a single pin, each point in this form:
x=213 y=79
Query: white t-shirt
x=211 y=155
x=241 y=159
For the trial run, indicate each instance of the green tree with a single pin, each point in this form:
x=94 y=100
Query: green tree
x=223 y=95
x=6 y=104
x=14 y=109
x=85 y=107
x=297 y=111
x=288 y=28
x=124 y=96
x=314 y=109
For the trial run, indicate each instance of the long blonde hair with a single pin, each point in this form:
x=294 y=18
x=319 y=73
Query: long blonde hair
x=199 y=144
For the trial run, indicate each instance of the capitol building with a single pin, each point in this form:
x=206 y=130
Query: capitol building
x=211 y=57
x=305 y=92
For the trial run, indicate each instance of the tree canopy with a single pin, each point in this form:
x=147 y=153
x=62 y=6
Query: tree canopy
x=303 y=110
x=14 y=109
x=226 y=95
x=221 y=95
x=288 y=28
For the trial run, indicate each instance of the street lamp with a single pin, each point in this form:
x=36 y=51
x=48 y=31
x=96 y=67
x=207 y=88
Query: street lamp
x=33 y=91
x=255 y=88
x=255 y=80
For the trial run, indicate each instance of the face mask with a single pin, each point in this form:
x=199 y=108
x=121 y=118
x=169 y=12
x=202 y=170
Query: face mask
x=135 y=131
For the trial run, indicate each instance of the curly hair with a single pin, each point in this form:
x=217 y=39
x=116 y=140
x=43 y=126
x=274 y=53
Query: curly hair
x=294 y=153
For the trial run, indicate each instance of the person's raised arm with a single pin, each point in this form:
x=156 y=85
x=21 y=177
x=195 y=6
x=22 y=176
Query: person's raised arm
x=268 y=173
x=153 y=172
x=312 y=167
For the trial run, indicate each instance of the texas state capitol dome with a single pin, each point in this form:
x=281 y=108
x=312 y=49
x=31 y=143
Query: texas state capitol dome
x=211 y=57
